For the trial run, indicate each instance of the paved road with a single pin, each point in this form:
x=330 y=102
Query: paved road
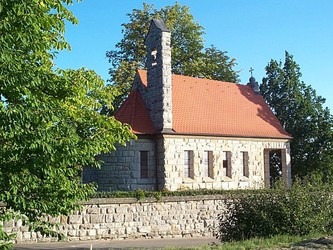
x=121 y=244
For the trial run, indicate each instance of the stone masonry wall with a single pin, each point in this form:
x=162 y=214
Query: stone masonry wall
x=121 y=168
x=129 y=218
x=174 y=146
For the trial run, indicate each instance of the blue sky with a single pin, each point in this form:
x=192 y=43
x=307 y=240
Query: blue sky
x=253 y=32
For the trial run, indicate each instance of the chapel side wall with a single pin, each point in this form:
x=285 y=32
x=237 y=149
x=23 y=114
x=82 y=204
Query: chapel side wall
x=174 y=161
x=121 y=168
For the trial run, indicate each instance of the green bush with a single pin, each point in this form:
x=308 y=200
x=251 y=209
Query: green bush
x=303 y=209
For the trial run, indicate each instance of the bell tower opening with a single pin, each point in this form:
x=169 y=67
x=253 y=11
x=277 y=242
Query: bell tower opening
x=153 y=57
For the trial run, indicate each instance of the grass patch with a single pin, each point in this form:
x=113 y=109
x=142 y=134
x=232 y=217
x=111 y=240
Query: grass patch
x=275 y=242
x=278 y=241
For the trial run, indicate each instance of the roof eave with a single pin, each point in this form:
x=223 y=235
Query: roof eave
x=232 y=136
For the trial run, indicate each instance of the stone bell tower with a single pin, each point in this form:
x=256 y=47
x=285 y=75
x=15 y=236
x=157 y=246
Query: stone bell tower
x=159 y=89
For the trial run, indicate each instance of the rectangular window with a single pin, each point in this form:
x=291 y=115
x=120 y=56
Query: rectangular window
x=143 y=164
x=208 y=164
x=245 y=161
x=188 y=164
x=227 y=163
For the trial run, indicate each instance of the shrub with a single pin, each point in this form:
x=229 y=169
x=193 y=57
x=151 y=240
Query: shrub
x=303 y=209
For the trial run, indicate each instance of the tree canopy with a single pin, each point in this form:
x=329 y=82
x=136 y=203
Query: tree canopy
x=189 y=57
x=50 y=124
x=302 y=113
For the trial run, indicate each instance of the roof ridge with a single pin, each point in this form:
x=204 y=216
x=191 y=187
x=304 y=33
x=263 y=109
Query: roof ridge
x=144 y=71
x=134 y=110
x=122 y=107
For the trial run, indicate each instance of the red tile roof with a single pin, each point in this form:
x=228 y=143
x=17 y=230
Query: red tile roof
x=134 y=112
x=209 y=107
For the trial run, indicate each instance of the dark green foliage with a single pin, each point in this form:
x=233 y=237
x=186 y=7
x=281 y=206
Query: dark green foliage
x=188 y=54
x=303 y=115
x=303 y=209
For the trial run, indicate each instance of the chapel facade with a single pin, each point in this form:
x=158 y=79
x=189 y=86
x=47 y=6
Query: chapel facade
x=192 y=133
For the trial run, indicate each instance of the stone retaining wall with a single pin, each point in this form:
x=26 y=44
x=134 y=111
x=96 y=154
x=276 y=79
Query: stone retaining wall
x=129 y=218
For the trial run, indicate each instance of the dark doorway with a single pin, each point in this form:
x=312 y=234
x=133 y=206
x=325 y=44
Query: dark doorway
x=275 y=166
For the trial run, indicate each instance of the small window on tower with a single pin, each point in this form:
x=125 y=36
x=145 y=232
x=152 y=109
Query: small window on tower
x=154 y=57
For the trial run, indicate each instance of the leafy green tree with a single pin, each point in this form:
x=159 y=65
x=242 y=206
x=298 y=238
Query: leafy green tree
x=215 y=64
x=50 y=125
x=302 y=113
x=188 y=54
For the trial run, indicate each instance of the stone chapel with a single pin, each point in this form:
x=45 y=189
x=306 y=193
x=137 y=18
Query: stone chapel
x=192 y=133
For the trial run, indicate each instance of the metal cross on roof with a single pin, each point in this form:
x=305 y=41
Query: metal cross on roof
x=251 y=70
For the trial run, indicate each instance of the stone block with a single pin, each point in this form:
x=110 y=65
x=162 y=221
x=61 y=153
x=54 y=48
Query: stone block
x=86 y=226
x=75 y=219
x=92 y=232
x=110 y=210
x=86 y=219
x=26 y=235
x=97 y=218
x=121 y=209
x=72 y=233
x=128 y=217
x=130 y=230
x=19 y=237
x=63 y=219
x=33 y=235
x=82 y=233
x=164 y=228
x=9 y=223
x=19 y=223
x=144 y=229
x=93 y=210
x=24 y=228
x=199 y=226
x=109 y=218
x=175 y=229
x=39 y=235
x=120 y=231
x=85 y=238
x=118 y=217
